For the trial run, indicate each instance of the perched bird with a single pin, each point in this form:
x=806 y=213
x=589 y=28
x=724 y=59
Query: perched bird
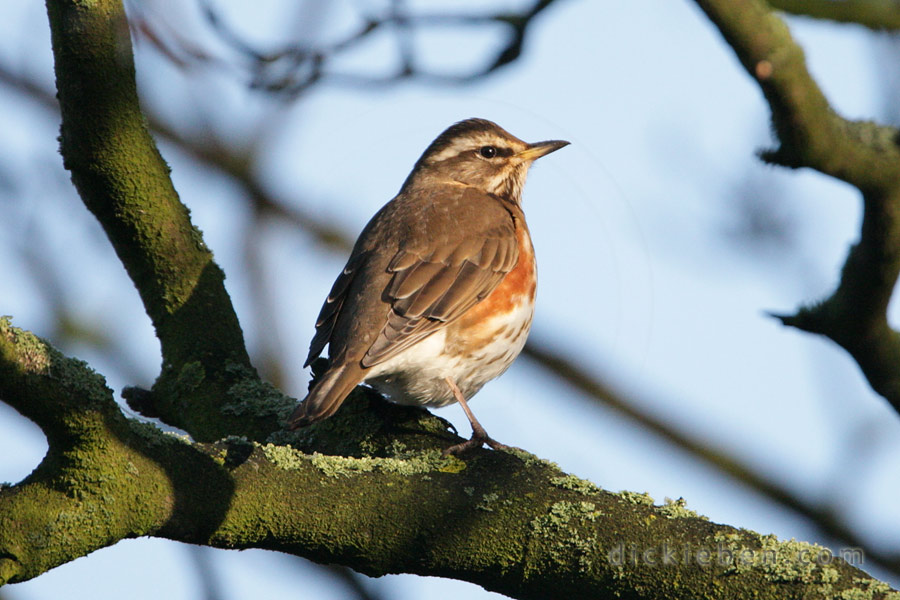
x=438 y=294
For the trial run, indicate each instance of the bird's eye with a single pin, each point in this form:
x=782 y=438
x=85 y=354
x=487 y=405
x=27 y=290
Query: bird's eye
x=488 y=151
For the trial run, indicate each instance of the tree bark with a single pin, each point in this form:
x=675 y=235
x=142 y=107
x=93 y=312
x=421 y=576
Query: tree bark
x=125 y=183
x=392 y=504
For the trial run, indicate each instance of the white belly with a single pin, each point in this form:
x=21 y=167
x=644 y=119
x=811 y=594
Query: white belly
x=417 y=375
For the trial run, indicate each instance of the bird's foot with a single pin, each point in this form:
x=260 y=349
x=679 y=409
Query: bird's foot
x=478 y=439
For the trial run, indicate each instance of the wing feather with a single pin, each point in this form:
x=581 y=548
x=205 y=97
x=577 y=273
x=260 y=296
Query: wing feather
x=402 y=260
x=409 y=281
x=415 y=268
x=488 y=252
x=332 y=308
x=426 y=294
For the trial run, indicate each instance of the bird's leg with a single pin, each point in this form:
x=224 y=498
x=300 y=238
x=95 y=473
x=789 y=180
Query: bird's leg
x=479 y=435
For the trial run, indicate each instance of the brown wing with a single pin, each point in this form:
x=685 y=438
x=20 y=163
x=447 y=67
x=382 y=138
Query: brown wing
x=332 y=307
x=432 y=287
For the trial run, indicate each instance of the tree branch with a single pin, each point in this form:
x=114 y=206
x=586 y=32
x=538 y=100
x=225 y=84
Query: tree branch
x=862 y=154
x=88 y=491
x=504 y=520
x=879 y=15
x=296 y=68
x=125 y=183
x=822 y=516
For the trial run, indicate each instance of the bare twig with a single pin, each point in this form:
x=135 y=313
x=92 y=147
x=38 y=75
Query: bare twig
x=862 y=154
x=295 y=68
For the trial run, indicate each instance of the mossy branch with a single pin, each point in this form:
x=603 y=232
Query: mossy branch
x=504 y=520
x=125 y=183
x=880 y=15
x=863 y=154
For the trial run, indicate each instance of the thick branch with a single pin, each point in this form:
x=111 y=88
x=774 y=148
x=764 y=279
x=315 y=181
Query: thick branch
x=64 y=509
x=863 y=154
x=125 y=183
x=505 y=520
x=875 y=14
x=822 y=516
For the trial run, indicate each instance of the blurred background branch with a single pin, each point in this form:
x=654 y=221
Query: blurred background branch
x=295 y=68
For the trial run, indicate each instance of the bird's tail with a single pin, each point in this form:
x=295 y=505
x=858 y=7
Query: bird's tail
x=326 y=396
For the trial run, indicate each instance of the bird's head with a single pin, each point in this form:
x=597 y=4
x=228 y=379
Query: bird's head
x=481 y=154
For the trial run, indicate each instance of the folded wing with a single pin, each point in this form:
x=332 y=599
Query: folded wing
x=433 y=287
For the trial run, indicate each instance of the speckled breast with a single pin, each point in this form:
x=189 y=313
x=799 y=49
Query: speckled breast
x=490 y=336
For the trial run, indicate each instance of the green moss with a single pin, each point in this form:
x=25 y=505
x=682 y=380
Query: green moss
x=636 y=497
x=368 y=425
x=453 y=465
x=178 y=436
x=336 y=466
x=792 y=561
x=560 y=514
x=868 y=589
x=487 y=500
x=191 y=376
x=677 y=509
x=830 y=575
x=430 y=423
x=78 y=375
x=529 y=459
x=854 y=594
x=734 y=552
x=251 y=396
x=32 y=353
x=590 y=511
x=286 y=457
x=732 y=537
x=367 y=445
x=155 y=436
x=562 y=530
x=27 y=355
x=9 y=568
x=576 y=484
x=397 y=448
x=880 y=138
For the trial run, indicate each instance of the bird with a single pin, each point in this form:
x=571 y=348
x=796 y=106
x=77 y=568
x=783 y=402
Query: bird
x=437 y=297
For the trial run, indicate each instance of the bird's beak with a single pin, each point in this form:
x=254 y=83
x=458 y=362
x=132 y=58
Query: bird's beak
x=539 y=149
